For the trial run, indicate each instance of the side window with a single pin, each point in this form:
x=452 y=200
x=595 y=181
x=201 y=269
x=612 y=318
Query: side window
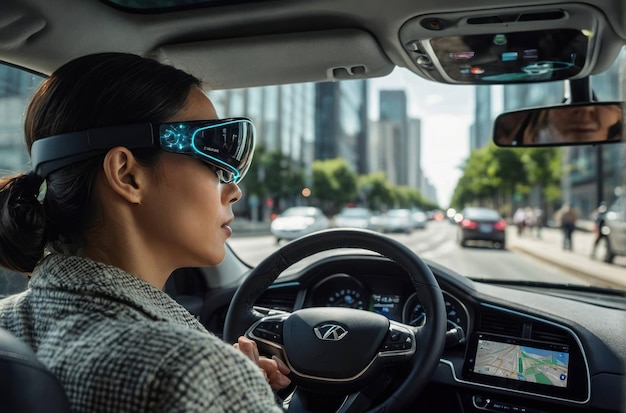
x=16 y=88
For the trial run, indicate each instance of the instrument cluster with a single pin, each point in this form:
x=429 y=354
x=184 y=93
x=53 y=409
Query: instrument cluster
x=398 y=302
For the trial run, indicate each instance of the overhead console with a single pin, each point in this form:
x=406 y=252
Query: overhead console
x=509 y=46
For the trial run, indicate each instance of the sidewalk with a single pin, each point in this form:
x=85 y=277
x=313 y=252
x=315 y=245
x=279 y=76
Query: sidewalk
x=549 y=248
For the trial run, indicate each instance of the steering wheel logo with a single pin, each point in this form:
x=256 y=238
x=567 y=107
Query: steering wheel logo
x=330 y=332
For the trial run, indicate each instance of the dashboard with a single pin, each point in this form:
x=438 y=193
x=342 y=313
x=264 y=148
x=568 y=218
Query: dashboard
x=507 y=349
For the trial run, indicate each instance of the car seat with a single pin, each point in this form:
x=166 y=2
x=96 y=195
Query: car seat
x=26 y=385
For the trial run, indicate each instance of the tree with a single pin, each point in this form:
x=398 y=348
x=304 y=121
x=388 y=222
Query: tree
x=543 y=168
x=273 y=174
x=334 y=183
x=378 y=192
x=493 y=176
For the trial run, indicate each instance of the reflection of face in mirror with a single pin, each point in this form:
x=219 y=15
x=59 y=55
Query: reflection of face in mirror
x=589 y=123
x=594 y=122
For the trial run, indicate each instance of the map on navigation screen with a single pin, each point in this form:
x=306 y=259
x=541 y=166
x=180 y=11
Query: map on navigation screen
x=518 y=362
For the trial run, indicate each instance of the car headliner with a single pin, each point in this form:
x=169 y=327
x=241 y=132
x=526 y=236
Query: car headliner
x=253 y=44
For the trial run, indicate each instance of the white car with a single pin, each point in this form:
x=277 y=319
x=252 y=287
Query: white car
x=398 y=220
x=419 y=218
x=295 y=222
x=355 y=217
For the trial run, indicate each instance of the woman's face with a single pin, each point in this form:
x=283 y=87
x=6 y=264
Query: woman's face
x=585 y=123
x=187 y=210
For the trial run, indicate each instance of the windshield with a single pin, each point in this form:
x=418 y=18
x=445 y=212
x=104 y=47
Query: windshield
x=399 y=145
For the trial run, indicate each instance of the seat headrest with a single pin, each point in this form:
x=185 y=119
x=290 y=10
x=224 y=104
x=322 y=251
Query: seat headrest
x=26 y=385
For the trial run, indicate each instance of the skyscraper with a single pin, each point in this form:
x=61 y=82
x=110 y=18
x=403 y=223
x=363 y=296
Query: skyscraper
x=341 y=122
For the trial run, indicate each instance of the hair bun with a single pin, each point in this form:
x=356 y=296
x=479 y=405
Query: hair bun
x=22 y=223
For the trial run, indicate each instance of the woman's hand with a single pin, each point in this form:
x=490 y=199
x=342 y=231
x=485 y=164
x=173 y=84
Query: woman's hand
x=274 y=369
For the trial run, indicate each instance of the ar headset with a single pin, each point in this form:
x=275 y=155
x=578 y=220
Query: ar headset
x=227 y=144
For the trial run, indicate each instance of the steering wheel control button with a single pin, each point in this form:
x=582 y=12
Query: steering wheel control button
x=398 y=339
x=270 y=330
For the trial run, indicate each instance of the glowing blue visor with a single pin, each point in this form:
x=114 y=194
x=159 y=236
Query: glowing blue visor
x=226 y=144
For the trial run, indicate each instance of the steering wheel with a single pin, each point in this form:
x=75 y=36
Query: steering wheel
x=342 y=351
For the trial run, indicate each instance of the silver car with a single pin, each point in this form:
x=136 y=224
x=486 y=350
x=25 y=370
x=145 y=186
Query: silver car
x=355 y=217
x=398 y=220
x=295 y=222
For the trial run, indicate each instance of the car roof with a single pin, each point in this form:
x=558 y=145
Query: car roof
x=255 y=43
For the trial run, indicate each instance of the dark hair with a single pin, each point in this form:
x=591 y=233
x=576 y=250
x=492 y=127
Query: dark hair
x=97 y=90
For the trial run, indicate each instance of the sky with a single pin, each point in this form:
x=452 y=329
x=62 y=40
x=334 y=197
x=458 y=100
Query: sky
x=446 y=113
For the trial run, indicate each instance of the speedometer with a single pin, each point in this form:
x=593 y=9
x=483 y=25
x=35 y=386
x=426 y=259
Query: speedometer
x=346 y=297
x=456 y=314
x=340 y=290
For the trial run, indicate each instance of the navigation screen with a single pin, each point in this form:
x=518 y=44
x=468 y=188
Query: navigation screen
x=523 y=363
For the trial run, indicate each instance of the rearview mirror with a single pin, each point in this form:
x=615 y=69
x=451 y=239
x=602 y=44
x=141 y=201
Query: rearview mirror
x=576 y=124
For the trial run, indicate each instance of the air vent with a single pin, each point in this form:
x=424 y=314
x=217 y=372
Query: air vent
x=497 y=323
x=524 y=17
x=504 y=18
x=279 y=298
x=550 y=334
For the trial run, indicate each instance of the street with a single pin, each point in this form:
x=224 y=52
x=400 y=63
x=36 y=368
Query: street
x=437 y=243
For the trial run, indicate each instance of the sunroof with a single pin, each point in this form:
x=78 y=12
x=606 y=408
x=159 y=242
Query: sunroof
x=169 y=5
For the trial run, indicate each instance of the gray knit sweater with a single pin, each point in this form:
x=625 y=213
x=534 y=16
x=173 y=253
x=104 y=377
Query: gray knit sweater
x=118 y=344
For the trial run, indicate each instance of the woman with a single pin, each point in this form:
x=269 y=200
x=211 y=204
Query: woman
x=140 y=177
x=575 y=124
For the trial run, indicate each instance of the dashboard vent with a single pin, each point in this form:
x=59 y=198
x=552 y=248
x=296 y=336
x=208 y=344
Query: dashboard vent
x=524 y=17
x=550 y=334
x=498 y=323
x=281 y=298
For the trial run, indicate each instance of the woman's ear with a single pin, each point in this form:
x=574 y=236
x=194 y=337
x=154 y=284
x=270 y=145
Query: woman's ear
x=124 y=175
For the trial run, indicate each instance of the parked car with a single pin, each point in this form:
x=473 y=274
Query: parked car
x=481 y=224
x=612 y=241
x=353 y=217
x=295 y=222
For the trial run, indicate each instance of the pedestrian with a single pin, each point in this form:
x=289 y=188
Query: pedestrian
x=530 y=220
x=568 y=224
x=519 y=219
x=598 y=216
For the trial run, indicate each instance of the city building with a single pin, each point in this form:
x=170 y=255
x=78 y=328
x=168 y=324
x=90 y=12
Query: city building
x=481 y=129
x=393 y=108
x=380 y=153
x=341 y=122
x=414 y=148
